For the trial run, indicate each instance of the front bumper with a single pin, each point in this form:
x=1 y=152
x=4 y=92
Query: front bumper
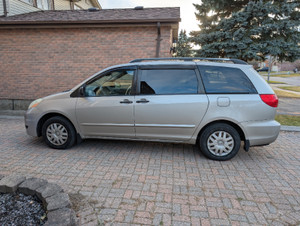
x=261 y=132
x=31 y=121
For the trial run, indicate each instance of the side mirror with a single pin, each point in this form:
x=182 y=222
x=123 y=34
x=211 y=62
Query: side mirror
x=82 y=91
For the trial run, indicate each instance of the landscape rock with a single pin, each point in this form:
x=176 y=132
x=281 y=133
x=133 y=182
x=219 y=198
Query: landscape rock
x=9 y=184
x=48 y=190
x=29 y=186
x=58 y=201
x=61 y=217
x=55 y=202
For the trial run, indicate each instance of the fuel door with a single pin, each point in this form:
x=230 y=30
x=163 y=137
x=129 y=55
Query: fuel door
x=223 y=101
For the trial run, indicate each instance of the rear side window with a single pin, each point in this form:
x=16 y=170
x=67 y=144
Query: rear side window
x=168 y=81
x=225 y=80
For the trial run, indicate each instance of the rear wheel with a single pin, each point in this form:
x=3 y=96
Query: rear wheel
x=58 y=133
x=220 y=141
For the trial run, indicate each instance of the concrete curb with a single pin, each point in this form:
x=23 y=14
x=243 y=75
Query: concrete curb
x=10 y=117
x=12 y=113
x=290 y=128
x=55 y=201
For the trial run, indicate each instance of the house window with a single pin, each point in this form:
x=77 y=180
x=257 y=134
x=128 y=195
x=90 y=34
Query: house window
x=28 y=1
x=76 y=7
x=43 y=4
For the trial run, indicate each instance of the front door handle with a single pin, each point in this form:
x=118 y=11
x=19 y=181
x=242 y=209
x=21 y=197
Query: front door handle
x=143 y=100
x=126 y=101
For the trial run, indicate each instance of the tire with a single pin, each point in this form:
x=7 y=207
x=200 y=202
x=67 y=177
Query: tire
x=220 y=142
x=59 y=133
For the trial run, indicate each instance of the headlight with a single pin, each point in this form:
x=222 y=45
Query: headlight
x=35 y=103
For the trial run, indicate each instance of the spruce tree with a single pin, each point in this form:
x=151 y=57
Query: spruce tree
x=248 y=29
x=183 y=48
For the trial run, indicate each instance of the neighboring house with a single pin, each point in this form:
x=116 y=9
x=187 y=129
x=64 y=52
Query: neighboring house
x=289 y=66
x=50 y=51
x=15 y=7
x=266 y=63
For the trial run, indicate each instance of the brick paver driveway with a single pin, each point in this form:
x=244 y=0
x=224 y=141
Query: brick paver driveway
x=115 y=182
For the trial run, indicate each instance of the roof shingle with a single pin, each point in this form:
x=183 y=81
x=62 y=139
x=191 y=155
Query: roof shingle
x=168 y=14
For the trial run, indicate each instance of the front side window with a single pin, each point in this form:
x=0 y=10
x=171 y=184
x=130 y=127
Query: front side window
x=168 y=81
x=225 y=80
x=115 y=83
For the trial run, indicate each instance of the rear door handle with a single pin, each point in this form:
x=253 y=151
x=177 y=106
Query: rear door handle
x=143 y=100
x=126 y=101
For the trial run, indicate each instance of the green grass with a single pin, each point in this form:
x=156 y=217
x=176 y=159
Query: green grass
x=287 y=75
x=282 y=93
x=275 y=82
x=292 y=74
x=291 y=88
x=288 y=120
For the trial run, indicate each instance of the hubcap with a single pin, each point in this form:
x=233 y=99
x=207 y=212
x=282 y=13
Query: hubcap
x=220 y=143
x=57 y=134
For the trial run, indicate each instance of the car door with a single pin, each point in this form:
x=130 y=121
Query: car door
x=106 y=110
x=170 y=104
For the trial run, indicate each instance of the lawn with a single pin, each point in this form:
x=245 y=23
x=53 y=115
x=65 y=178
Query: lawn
x=282 y=93
x=291 y=88
x=275 y=82
x=281 y=75
x=288 y=120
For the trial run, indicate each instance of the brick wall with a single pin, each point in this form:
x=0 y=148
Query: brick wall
x=39 y=62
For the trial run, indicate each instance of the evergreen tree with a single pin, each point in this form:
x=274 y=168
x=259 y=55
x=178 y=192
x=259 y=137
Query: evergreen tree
x=248 y=29
x=183 y=48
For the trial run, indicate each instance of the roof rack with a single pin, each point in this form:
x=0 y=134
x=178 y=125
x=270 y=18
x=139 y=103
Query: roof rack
x=235 y=61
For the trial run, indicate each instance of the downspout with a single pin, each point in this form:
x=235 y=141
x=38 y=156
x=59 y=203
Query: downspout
x=4 y=8
x=158 y=40
x=71 y=5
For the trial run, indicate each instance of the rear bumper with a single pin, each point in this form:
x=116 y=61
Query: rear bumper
x=261 y=132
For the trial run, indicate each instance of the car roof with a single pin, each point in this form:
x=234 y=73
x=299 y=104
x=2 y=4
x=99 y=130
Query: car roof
x=183 y=63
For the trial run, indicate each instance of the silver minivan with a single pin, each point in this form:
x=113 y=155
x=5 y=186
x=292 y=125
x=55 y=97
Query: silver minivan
x=214 y=103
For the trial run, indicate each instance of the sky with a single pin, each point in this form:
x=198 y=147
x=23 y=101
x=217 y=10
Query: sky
x=187 y=10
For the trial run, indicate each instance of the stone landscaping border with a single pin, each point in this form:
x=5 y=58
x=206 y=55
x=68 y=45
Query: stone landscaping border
x=55 y=201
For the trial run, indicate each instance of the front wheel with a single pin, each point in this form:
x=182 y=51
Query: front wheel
x=58 y=133
x=220 y=141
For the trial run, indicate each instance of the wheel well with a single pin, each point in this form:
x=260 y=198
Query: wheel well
x=238 y=129
x=45 y=118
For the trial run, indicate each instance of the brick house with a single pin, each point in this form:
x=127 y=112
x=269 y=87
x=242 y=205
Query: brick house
x=50 y=51
x=15 y=7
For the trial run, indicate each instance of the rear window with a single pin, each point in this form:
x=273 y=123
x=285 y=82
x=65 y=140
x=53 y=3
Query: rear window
x=225 y=80
x=168 y=81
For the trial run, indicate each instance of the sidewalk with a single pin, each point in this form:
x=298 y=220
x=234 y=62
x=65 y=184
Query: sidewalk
x=288 y=106
x=295 y=81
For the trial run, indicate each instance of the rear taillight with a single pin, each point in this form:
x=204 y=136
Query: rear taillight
x=270 y=99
